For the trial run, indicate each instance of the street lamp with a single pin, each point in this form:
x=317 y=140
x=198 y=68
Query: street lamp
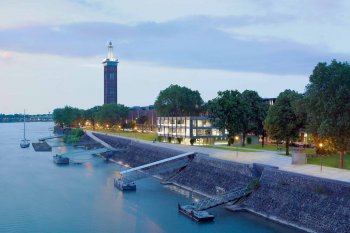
x=236 y=138
x=321 y=146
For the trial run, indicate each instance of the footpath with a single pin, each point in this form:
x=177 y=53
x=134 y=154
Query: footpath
x=264 y=157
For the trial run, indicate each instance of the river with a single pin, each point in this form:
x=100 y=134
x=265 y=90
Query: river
x=37 y=196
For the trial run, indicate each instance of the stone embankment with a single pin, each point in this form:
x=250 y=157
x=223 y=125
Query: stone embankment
x=88 y=143
x=309 y=203
x=318 y=204
x=60 y=130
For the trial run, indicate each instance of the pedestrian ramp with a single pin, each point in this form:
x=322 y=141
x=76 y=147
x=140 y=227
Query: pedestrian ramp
x=231 y=196
x=171 y=164
x=89 y=152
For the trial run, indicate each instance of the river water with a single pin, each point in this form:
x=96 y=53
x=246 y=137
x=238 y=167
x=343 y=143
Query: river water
x=37 y=196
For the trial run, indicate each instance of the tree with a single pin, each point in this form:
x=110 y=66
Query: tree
x=91 y=115
x=112 y=114
x=254 y=113
x=226 y=112
x=328 y=105
x=178 y=101
x=57 y=116
x=128 y=125
x=141 y=121
x=67 y=116
x=285 y=118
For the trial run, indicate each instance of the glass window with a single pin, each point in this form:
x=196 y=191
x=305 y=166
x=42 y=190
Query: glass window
x=194 y=132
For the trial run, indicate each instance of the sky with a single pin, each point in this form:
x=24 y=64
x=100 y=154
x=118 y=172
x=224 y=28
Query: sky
x=51 y=52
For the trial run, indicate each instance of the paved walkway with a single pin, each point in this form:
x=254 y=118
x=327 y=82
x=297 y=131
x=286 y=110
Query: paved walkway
x=264 y=157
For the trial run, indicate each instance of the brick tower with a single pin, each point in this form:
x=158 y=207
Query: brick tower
x=110 y=77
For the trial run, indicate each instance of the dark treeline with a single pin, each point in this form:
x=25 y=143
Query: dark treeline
x=108 y=115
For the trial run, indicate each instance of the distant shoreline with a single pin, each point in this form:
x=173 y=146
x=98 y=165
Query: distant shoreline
x=19 y=121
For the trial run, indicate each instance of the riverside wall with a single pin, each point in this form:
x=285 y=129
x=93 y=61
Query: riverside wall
x=318 y=204
x=309 y=203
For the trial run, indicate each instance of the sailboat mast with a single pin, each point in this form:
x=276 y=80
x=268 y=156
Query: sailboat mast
x=24 y=124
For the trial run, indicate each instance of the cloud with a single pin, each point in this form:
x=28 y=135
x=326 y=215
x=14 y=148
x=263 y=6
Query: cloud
x=194 y=42
x=6 y=56
x=56 y=81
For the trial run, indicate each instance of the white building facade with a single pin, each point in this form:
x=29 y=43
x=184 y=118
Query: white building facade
x=198 y=129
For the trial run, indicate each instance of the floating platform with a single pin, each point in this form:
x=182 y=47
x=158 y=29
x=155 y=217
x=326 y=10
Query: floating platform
x=195 y=215
x=60 y=160
x=41 y=146
x=118 y=183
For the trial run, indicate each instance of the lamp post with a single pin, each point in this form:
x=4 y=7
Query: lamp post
x=236 y=138
x=321 y=146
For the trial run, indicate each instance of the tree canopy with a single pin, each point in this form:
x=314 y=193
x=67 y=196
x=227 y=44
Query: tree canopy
x=68 y=116
x=142 y=120
x=285 y=118
x=91 y=115
x=253 y=115
x=328 y=105
x=112 y=114
x=226 y=111
x=178 y=101
x=108 y=114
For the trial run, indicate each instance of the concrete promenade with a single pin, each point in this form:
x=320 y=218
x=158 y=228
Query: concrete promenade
x=264 y=157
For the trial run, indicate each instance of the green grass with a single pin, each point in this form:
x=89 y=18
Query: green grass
x=229 y=148
x=271 y=147
x=332 y=161
x=268 y=147
x=136 y=135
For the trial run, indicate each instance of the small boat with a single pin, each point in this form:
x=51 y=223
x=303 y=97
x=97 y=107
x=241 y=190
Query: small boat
x=24 y=142
x=59 y=159
x=118 y=183
x=196 y=215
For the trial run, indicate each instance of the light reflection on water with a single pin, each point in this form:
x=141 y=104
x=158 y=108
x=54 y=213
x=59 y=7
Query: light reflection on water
x=38 y=196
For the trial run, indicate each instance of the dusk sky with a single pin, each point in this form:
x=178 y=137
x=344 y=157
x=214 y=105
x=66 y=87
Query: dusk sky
x=51 y=51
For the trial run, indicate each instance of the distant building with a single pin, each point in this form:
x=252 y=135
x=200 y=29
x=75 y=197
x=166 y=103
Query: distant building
x=270 y=101
x=110 y=77
x=148 y=111
x=198 y=128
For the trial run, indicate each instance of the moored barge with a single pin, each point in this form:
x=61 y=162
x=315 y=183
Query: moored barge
x=196 y=215
x=119 y=183
x=58 y=159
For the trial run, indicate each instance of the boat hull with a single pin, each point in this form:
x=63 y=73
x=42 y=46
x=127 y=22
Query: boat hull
x=124 y=187
x=193 y=214
x=60 y=160
x=24 y=145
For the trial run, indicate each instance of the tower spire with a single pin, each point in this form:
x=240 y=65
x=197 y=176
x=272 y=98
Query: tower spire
x=110 y=55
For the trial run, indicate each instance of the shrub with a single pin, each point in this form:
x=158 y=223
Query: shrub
x=170 y=139
x=74 y=136
x=179 y=140
x=192 y=140
x=249 y=140
x=159 y=138
x=230 y=141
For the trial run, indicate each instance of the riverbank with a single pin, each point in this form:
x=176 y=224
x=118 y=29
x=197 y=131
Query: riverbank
x=309 y=203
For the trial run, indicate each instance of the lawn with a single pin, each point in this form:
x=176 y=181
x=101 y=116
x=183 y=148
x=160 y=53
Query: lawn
x=269 y=147
x=136 y=135
x=229 y=148
x=272 y=147
x=331 y=161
